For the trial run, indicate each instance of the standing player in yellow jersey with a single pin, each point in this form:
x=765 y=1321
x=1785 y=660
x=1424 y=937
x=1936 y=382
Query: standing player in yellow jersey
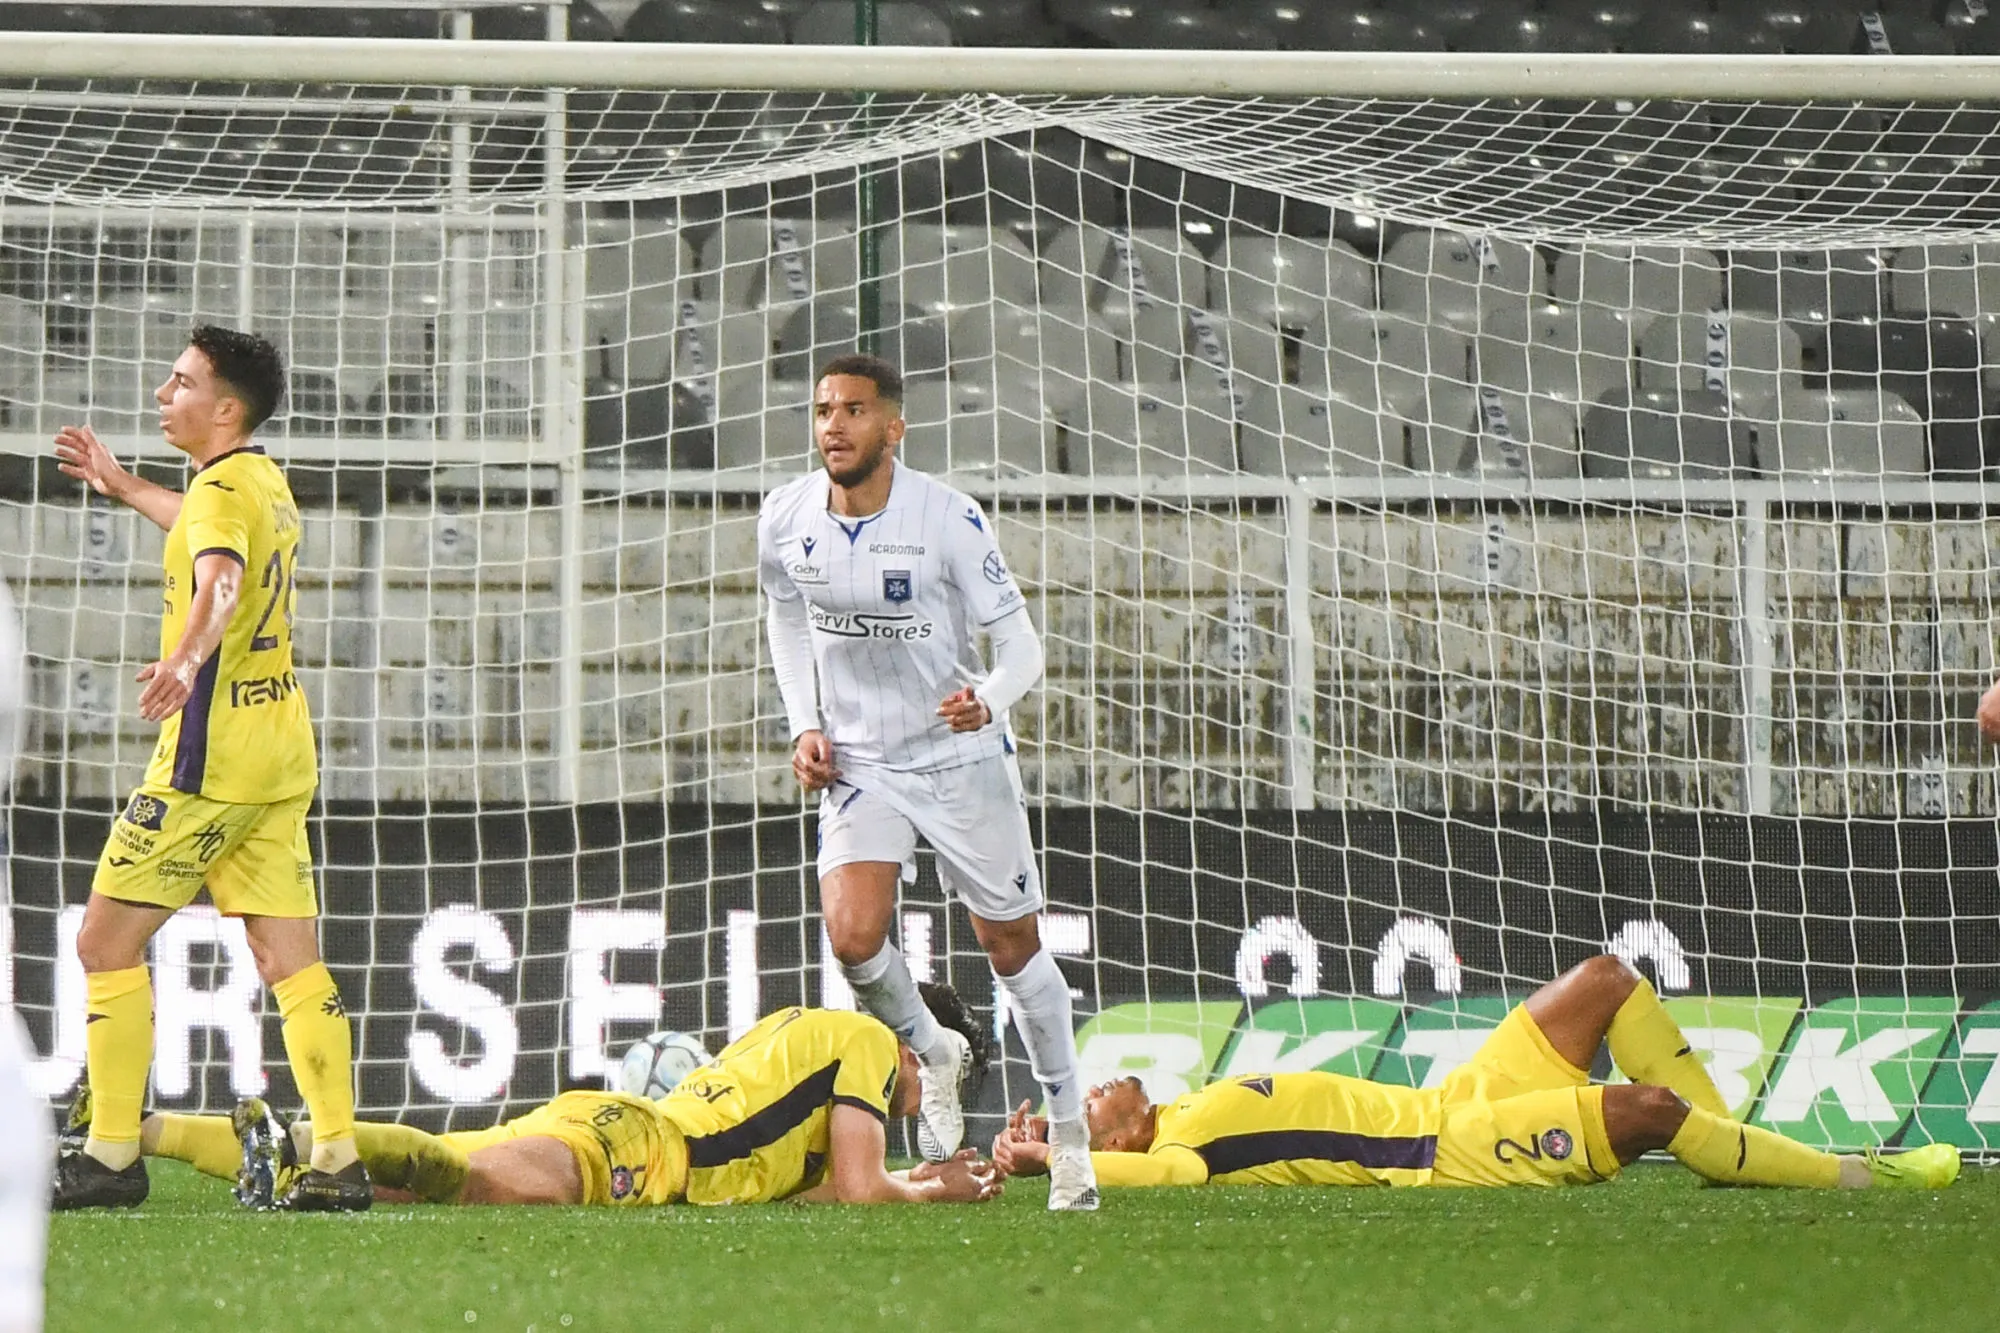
x=1522 y=1111
x=795 y=1108
x=223 y=803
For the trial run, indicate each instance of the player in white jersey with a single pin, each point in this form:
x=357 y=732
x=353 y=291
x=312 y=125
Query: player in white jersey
x=877 y=577
x=27 y=1149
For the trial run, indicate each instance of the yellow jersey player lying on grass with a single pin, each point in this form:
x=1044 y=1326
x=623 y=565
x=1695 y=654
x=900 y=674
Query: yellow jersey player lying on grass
x=793 y=1109
x=1522 y=1112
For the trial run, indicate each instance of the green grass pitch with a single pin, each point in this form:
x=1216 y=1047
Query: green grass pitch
x=1651 y=1252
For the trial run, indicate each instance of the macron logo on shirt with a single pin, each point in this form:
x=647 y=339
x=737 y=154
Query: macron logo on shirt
x=972 y=517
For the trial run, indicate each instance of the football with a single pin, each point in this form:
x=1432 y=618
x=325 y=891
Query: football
x=654 y=1064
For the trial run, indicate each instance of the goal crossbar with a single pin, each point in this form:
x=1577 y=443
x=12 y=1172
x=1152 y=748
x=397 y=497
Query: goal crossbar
x=1001 y=71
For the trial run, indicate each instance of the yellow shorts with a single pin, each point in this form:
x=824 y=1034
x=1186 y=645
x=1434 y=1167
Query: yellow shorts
x=253 y=858
x=628 y=1152
x=1517 y=1113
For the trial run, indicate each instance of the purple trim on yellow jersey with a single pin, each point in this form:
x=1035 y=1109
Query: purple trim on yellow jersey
x=1244 y=1152
x=237 y=556
x=191 y=751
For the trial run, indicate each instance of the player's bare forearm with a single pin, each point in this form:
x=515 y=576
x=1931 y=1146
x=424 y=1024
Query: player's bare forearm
x=156 y=502
x=169 y=682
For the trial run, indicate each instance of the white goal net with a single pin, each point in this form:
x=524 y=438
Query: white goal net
x=1467 y=536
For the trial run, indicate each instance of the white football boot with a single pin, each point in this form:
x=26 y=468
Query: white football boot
x=1072 y=1179
x=941 y=1115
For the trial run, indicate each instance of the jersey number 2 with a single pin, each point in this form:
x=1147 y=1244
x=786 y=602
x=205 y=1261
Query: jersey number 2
x=283 y=583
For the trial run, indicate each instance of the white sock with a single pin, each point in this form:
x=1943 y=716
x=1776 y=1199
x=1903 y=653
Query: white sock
x=1040 y=995
x=882 y=987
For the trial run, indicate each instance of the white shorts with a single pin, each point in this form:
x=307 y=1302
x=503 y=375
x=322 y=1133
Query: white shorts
x=27 y=1149
x=974 y=816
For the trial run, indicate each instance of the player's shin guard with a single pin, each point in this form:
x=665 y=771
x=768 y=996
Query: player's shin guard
x=320 y=1046
x=206 y=1142
x=1040 y=996
x=883 y=988
x=1650 y=1048
x=405 y=1158
x=118 y=1051
x=1734 y=1154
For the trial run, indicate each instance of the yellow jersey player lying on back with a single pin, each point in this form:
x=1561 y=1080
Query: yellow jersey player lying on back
x=1522 y=1112
x=793 y=1109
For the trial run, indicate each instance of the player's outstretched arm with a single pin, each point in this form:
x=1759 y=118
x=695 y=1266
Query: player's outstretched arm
x=1989 y=714
x=218 y=588
x=856 y=1173
x=80 y=454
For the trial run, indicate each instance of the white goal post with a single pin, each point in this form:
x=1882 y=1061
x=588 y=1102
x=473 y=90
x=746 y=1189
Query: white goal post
x=1482 y=511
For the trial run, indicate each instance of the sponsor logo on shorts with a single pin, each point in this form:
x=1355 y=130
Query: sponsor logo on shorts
x=1557 y=1143
x=146 y=811
x=171 y=870
x=209 y=841
x=621 y=1181
x=995 y=569
x=262 y=690
x=903 y=628
x=120 y=861
x=897 y=586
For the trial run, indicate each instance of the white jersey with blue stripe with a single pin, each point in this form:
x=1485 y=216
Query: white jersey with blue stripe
x=893 y=599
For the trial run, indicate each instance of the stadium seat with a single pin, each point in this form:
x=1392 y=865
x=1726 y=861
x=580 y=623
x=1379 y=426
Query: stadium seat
x=1953 y=278
x=1574 y=353
x=530 y=23
x=999 y=23
x=1661 y=434
x=944 y=269
x=1112 y=22
x=1292 y=432
x=1286 y=281
x=963 y=427
x=1932 y=364
x=1535 y=33
x=55 y=18
x=312 y=404
x=1722 y=351
x=1440 y=276
x=1376 y=356
x=1158 y=430
x=1805 y=27
x=1041 y=179
x=703 y=21
x=1648 y=280
x=1249 y=352
x=1177 y=29
x=1060 y=349
x=1844 y=433
x=817 y=330
x=1688 y=30
x=1507 y=436
x=1136 y=282
x=779 y=434
x=1887 y=31
x=1807 y=287
x=1351 y=25
x=647 y=425
x=831 y=23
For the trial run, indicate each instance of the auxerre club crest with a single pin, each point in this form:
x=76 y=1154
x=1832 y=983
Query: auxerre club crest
x=897 y=586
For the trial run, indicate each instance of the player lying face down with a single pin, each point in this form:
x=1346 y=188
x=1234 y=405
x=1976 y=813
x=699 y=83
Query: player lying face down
x=1522 y=1111
x=796 y=1108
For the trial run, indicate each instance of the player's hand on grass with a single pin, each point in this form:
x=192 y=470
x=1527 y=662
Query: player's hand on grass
x=1022 y=1148
x=966 y=1178
x=965 y=711
x=1989 y=714
x=80 y=454
x=812 y=761
x=168 y=684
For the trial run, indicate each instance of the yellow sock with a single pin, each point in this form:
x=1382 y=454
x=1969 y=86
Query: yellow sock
x=118 y=1053
x=403 y=1157
x=1650 y=1048
x=1734 y=1154
x=205 y=1142
x=320 y=1045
